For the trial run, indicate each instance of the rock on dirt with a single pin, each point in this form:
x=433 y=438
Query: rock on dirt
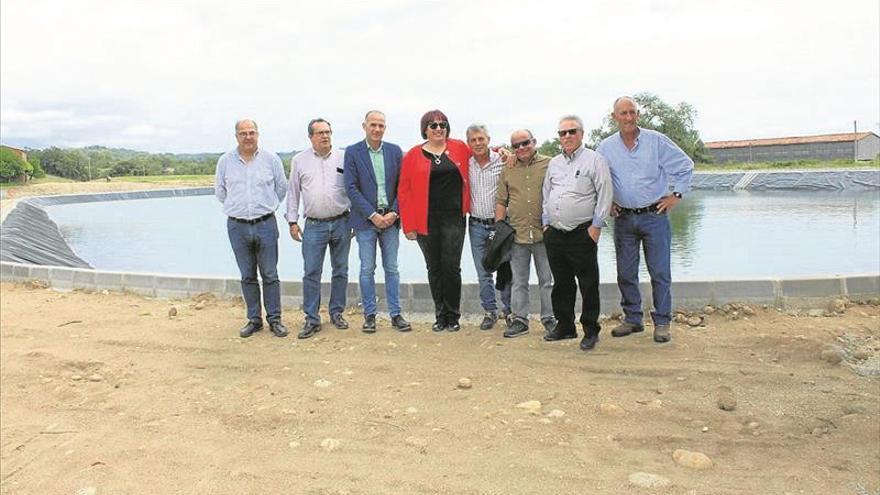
x=693 y=460
x=648 y=480
x=831 y=355
x=725 y=400
x=611 y=410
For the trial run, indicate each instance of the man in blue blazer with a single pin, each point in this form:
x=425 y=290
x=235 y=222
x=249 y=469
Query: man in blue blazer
x=372 y=170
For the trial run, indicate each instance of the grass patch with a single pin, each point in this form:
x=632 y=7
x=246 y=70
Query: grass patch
x=161 y=179
x=43 y=180
x=790 y=165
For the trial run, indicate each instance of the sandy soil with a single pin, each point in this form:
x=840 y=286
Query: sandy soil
x=106 y=394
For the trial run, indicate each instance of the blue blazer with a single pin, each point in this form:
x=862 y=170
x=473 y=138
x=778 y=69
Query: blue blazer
x=360 y=181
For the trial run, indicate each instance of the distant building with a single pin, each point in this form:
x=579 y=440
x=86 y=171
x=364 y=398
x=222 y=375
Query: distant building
x=20 y=152
x=846 y=146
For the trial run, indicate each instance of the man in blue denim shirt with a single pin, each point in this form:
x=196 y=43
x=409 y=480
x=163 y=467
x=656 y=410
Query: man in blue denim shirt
x=643 y=164
x=250 y=183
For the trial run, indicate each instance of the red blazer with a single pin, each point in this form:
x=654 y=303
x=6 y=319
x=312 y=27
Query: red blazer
x=415 y=176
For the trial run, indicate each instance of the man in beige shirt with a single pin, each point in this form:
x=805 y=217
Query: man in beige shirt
x=519 y=198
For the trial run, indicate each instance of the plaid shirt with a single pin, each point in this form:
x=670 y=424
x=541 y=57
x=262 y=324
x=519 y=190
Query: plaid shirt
x=484 y=185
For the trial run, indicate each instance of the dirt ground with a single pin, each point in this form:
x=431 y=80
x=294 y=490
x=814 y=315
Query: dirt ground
x=105 y=393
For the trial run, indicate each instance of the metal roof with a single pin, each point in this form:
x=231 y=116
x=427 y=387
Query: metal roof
x=822 y=138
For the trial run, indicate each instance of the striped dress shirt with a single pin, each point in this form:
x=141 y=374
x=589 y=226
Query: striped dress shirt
x=484 y=186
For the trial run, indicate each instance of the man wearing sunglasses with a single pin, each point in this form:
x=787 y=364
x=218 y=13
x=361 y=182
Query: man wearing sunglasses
x=519 y=199
x=644 y=163
x=484 y=172
x=577 y=199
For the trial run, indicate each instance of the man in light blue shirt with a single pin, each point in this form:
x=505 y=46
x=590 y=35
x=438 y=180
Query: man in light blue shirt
x=250 y=183
x=643 y=164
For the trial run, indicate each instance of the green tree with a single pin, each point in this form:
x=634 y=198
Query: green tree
x=12 y=166
x=677 y=122
x=38 y=172
x=550 y=148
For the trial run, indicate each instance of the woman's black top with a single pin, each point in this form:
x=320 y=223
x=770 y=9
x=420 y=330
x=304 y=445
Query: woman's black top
x=444 y=193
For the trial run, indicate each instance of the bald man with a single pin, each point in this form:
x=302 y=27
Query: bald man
x=643 y=164
x=250 y=183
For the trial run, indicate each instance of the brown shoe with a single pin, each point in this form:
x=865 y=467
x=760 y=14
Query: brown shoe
x=626 y=328
x=661 y=334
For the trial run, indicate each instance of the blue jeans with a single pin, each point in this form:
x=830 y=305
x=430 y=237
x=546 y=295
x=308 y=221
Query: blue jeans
x=256 y=247
x=315 y=239
x=478 y=234
x=389 y=242
x=653 y=232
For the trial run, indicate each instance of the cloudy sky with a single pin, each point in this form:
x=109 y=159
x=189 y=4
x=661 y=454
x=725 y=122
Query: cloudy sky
x=174 y=75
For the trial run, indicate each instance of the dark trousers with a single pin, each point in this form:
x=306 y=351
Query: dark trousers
x=442 y=251
x=256 y=248
x=573 y=255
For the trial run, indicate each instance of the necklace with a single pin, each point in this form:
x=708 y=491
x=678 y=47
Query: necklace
x=436 y=156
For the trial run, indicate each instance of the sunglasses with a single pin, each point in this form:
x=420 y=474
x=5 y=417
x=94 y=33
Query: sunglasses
x=570 y=132
x=435 y=125
x=521 y=144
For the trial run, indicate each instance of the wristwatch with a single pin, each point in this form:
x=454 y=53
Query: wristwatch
x=677 y=195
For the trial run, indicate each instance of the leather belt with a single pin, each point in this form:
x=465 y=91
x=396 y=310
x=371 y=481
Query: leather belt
x=483 y=221
x=330 y=219
x=383 y=211
x=638 y=211
x=254 y=220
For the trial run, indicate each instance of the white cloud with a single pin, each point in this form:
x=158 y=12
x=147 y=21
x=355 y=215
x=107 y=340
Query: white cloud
x=173 y=76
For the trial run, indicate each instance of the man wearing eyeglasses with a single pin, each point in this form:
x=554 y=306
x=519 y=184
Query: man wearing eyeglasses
x=519 y=199
x=644 y=163
x=317 y=176
x=372 y=170
x=577 y=199
x=250 y=183
x=484 y=173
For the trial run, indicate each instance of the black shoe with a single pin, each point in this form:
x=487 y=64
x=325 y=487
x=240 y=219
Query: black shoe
x=278 y=329
x=251 y=328
x=309 y=329
x=589 y=340
x=399 y=323
x=558 y=334
x=549 y=325
x=489 y=320
x=517 y=328
x=453 y=326
x=438 y=326
x=369 y=324
x=338 y=321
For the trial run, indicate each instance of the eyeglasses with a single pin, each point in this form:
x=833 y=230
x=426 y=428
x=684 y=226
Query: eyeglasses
x=521 y=144
x=442 y=125
x=570 y=132
x=322 y=133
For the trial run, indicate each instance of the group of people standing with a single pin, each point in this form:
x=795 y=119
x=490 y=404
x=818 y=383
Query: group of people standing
x=522 y=206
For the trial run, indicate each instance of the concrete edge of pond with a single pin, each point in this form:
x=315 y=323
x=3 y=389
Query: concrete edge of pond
x=795 y=292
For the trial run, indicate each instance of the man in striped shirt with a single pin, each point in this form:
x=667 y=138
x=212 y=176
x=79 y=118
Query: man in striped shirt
x=485 y=171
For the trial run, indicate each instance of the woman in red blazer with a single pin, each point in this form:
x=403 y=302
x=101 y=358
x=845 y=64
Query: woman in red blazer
x=434 y=197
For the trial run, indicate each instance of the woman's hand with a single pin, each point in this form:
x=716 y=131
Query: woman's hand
x=411 y=235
